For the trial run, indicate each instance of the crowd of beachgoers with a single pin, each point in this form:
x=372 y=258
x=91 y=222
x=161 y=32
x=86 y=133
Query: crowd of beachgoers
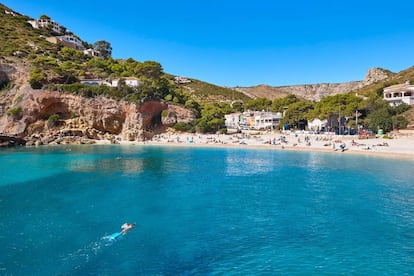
x=395 y=145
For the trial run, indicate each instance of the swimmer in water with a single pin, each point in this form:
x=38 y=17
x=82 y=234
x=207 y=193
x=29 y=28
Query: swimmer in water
x=126 y=227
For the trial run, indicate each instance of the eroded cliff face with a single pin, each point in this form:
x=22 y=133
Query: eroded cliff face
x=46 y=117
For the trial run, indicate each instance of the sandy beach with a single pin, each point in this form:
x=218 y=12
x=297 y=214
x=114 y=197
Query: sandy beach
x=400 y=146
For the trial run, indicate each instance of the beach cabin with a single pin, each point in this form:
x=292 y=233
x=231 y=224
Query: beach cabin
x=399 y=93
x=317 y=124
x=232 y=121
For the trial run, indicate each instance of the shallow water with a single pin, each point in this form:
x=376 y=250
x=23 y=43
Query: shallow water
x=203 y=211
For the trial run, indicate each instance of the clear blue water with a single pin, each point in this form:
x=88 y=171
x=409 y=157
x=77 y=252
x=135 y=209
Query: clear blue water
x=203 y=211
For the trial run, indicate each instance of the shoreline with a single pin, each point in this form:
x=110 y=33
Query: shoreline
x=396 y=148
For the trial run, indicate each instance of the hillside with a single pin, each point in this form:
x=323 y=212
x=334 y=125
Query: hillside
x=18 y=38
x=61 y=65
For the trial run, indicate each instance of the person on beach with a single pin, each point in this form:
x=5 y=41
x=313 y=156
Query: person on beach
x=126 y=227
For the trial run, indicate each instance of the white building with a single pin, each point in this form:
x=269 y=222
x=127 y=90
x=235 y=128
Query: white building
x=10 y=13
x=130 y=81
x=92 y=52
x=45 y=23
x=69 y=41
x=399 y=93
x=95 y=82
x=317 y=124
x=232 y=121
x=266 y=120
x=256 y=120
x=181 y=80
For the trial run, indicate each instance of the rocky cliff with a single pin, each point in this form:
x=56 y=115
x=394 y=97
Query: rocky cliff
x=46 y=117
x=315 y=91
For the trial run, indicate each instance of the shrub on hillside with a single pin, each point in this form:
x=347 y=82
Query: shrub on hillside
x=184 y=127
x=52 y=120
x=14 y=111
x=37 y=79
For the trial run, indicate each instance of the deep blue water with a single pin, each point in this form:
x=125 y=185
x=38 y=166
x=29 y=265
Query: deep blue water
x=203 y=211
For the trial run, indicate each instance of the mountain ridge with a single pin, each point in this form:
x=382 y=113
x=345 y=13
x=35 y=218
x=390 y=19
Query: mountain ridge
x=316 y=91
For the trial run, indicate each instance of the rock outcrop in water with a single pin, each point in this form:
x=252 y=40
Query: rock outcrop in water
x=44 y=117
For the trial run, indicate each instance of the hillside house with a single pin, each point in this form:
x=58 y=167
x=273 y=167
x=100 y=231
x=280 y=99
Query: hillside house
x=130 y=81
x=46 y=23
x=181 y=80
x=399 y=93
x=92 y=52
x=69 y=41
x=10 y=13
x=96 y=82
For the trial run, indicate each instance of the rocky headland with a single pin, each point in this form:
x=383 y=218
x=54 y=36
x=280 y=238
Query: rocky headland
x=50 y=117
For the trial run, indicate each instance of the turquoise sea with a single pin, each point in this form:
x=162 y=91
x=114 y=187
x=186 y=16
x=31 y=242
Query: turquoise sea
x=201 y=211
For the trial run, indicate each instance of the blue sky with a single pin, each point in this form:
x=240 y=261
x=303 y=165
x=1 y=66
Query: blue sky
x=246 y=43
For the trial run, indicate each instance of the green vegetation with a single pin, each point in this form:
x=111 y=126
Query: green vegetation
x=52 y=120
x=19 y=99
x=45 y=17
x=383 y=116
x=4 y=84
x=185 y=127
x=14 y=111
x=298 y=113
x=258 y=104
x=104 y=48
x=342 y=104
x=205 y=92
